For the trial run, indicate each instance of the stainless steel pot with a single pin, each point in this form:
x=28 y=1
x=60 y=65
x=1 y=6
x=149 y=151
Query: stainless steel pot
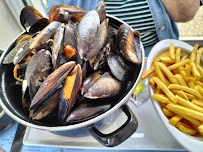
x=10 y=95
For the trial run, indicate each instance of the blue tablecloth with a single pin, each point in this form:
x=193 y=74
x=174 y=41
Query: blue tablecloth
x=6 y=140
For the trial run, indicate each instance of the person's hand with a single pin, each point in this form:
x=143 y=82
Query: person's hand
x=181 y=10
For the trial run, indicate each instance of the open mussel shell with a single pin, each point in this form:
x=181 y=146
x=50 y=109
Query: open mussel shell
x=32 y=20
x=85 y=111
x=23 y=38
x=39 y=25
x=129 y=43
x=69 y=36
x=23 y=52
x=57 y=45
x=44 y=36
x=51 y=84
x=11 y=55
x=104 y=86
x=64 y=13
x=101 y=10
x=37 y=70
x=89 y=81
x=70 y=92
x=118 y=66
x=46 y=108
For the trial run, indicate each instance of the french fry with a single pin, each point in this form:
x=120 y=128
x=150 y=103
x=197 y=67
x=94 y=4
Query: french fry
x=168 y=73
x=196 y=81
x=192 y=120
x=187 y=69
x=200 y=129
x=167 y=59
x=180 y=79
x=198 y=56
x=200 y=70
x=160 y=98
x=195 y=72
x=183 y=73
x=168 y=113
x=162 y=105
x=191 y=84
x=151 y=81
x=200 y=89
x=175 y=119
x=190 y=96
x=193 y=53
x=186 y=129
x=179 y=64
x=197 y=102
x=184 y=58
x=157 y=59
x=157 y=90
x=172 y=51
x=147 y=73
x=182 y=95
x=186 y=89
x=185 y=111
x=160 y=75
x=177 y=55
x=164 y=88
x=188 y=104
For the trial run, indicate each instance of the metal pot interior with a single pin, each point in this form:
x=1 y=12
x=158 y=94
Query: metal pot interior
x=11 y=94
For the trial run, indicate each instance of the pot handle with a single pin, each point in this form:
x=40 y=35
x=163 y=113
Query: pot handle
x=119 y=135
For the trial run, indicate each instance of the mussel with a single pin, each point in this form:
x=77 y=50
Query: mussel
x=85 y=111
x=118 y=66
x=129 y=43
x=91 y=35
x=11 y=55
x=104 y=86
x=69 y=35
x=51 y=84
x=45 y=35
x=57 y=45
x=70 y=91
x=23 y=52
x=37 y=70
x=32 y=20
x=100 y=60
x=64 y=13
x=89 y=81
x=101 y=10
x=46 y=108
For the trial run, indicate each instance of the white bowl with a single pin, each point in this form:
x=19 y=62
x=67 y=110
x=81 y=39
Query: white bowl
x=191 y=143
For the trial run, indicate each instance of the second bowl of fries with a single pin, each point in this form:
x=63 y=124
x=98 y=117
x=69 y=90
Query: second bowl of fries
x=175 y=74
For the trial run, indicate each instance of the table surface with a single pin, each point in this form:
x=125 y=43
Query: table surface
x=6 y=140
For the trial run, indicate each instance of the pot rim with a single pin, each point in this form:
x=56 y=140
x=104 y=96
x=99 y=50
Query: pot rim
x=2 y=112
x=88 y=122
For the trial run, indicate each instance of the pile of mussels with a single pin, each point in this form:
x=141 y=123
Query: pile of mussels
x=71 y=57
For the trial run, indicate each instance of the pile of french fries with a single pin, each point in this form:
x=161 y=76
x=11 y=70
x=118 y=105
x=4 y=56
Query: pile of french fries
x=178 y=86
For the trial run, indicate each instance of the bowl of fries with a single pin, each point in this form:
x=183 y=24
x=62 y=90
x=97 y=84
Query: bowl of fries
x=175 y=74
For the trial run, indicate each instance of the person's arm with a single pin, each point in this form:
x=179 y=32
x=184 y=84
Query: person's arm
x=181 y=10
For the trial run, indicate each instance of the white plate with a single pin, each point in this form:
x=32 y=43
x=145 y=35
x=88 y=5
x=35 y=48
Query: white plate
x=194 y=144
x=150 y=135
